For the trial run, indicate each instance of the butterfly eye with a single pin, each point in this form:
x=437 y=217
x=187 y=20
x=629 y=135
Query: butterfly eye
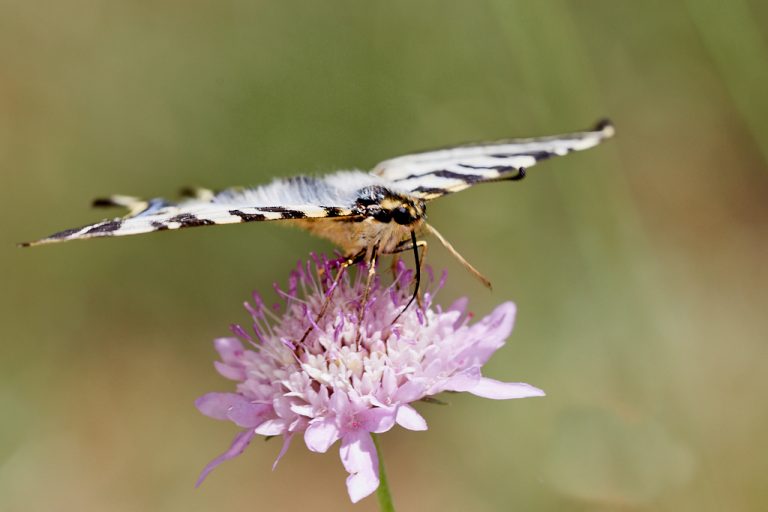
x=401 y=215
x=382 y=215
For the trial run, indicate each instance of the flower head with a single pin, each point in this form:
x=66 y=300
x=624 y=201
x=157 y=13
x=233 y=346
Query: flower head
x=349 y=372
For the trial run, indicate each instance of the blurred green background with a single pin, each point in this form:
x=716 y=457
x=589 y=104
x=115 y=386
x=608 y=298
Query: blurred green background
x=639 y=267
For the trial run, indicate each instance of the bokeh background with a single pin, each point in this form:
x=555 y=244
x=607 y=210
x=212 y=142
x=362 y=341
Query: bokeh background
x=639 y=267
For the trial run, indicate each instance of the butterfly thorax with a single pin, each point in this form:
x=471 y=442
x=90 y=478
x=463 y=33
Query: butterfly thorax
x=381 y=216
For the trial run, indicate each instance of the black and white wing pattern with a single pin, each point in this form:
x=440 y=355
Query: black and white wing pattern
x=432 y=174
x=287 y=199
x=390 y=199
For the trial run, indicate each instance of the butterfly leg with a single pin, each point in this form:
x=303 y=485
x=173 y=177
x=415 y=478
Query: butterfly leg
x=374 y=254
x=393 y=266
x=346 y=263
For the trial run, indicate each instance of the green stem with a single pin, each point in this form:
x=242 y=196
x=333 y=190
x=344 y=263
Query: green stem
x=382 y=493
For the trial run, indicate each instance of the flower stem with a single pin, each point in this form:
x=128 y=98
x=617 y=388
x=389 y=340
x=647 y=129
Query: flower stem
x=382 y=493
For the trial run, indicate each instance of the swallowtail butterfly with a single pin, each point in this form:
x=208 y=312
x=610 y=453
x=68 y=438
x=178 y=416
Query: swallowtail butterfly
x=364 y=213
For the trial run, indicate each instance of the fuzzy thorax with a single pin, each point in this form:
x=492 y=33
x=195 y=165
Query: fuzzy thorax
x=382 y=217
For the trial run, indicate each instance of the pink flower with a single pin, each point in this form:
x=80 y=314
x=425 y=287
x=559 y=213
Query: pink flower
x=350 y=378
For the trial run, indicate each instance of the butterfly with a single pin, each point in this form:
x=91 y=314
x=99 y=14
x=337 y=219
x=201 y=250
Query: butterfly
x=365 y=214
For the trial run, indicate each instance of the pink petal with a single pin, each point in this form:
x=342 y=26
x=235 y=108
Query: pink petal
x=248 y=415
x=286 y=443
x=273 y=427
x=409 y=392
x=490 y=388
x=339 y=402
x=239 y=444
x=299 y=424
x=377 y=420
x=492 y=331
x=462 y=381
x=282 y=406
x=230 y=372
x=216 y=405
x=408 y=417
x=388 y=383
x=302 y=409
x=229 y=349
x=320 y=435
x=358 y=454
x=459 y=304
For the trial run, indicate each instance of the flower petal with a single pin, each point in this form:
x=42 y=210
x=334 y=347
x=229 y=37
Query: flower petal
x=217 y=405
x=490 y=388
x=358 y=454
x=409 y=392
x=459 y=304
x=378 y=419
x=286 y=443
x=273 y=427
x=388 y=383
x=230 y=372
x=229 y=349
x=339 y=402
x=241 y=441
x=459 y=382
x=248 y=415
x=492 y=331
x=320 y=435
x=408 y=417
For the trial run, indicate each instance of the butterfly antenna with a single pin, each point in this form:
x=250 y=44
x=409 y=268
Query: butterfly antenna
x=472 y=270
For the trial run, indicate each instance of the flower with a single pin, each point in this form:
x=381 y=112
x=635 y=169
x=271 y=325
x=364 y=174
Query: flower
x=356 y=372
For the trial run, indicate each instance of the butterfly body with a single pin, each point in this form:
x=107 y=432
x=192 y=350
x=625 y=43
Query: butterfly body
x=356 y=210
x=380 y=216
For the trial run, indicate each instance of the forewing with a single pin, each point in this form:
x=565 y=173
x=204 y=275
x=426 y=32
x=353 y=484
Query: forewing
x=433 y=174
x=231 y=206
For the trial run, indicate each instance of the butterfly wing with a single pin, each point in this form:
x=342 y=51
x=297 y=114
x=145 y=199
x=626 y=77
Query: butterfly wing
x=432 y=174
x=296 y=198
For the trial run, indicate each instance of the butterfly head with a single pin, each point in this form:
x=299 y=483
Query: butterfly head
x=385 y=205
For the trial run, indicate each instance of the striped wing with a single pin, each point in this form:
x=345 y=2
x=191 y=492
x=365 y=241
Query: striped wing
x=231 y=206
x=433 y=174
